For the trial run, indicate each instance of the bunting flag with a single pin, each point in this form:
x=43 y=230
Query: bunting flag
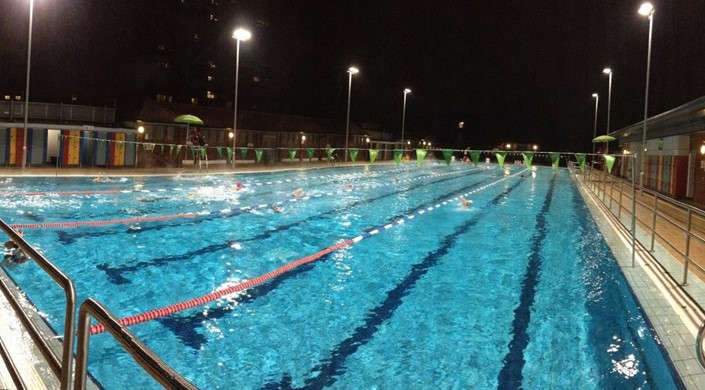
x=219 y=151
x=475 y=156
x=373 y=155
x=420 y=155
x=329 y=153
x=447 y=155
x=353 y=154
x=292 y=153
x=178 y=149
x=203 y=152
x=555 y=159
x=581 y=160
x=193 y=151
x=397 y=156
x=230 y=153
x=500 y=158
x=243 y=153
x=528 y=156
x=258 y=154
x=310 y=151
x=162 y=148
x=171 y=149
x=609 y=160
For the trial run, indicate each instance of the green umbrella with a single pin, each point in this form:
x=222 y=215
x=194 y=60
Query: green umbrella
x=188 y=119
x=604 y=138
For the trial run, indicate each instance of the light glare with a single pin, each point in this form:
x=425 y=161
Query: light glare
x=407 y=90
x=607 y=71
x=646 y=9
x=241 y=34
x=353 y=70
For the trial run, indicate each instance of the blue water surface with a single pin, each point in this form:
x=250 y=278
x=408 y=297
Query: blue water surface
x=517 y=290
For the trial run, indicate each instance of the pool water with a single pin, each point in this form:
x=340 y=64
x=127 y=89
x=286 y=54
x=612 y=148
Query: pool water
x=517 y=290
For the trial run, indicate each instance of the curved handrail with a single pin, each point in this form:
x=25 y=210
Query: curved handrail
x=62 y=370
x=142 y=355
x=699 y=345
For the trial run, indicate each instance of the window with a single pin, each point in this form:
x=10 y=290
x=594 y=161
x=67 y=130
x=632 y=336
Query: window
x=211 y=64
x=255 y=79
x=161 y=98
x=194 y=101
x=210 y=95
x=210 y=78
x=196 y=37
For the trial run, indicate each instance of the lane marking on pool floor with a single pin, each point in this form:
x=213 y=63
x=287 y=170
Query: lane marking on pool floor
x=168 y=310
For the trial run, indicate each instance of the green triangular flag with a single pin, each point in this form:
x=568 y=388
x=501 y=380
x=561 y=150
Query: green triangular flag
x=353 y=154
x=555 y=159
x=310 y=151
x=609 y=160
x=243 y=153
x=329 y=153
x=219 y=151
x=500 y=158
x=258 y=154
x=420 y=155
x=292 y=153
x=447 y=154
x=528 y=156
x=203 y=152
x=230 y=153
x=178 y=149
x=581 y=160
x=475 y=156
x=373 y=155
x=171 y=150
x=193 y=151
x=397 y=156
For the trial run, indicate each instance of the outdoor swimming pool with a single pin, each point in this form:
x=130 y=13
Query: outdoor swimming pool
x=518 y=290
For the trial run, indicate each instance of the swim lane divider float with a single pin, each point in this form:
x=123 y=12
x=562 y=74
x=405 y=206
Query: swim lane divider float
x=168 y=310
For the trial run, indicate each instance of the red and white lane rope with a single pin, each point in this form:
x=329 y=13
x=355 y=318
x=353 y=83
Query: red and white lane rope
x=165 y=311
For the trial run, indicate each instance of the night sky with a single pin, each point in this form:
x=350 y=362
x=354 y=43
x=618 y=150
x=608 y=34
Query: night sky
x=513 y=71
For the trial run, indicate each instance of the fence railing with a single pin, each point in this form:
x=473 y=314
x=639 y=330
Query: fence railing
x=677 y=227
x=14 y=111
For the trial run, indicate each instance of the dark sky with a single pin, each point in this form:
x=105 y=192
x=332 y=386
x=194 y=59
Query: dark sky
x=513 y=71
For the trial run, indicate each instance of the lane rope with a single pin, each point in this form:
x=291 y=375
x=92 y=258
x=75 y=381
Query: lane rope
x=350 y=176
x=227 y=211
x=171 y=309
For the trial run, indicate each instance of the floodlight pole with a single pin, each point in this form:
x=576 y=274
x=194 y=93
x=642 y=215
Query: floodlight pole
x=26 y=91
x=240 y=35
x=647 y=10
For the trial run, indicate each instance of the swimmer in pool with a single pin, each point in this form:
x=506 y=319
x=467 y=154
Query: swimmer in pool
x=276 y=209
x=14 y=255
x=465 y=202
x=237 y=187
x=297 y=192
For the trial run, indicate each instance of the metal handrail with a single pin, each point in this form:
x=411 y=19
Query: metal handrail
x=62 y=370
x=10 y=365
x=657 y=212
x=699 y=345
x=142 y=355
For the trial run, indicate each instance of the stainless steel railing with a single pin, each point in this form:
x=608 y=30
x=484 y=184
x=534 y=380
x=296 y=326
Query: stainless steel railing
x=63 y=368
x=151 y=363
x=676 y=226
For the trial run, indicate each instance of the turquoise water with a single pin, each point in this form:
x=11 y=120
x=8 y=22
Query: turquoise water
x=516 y=290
